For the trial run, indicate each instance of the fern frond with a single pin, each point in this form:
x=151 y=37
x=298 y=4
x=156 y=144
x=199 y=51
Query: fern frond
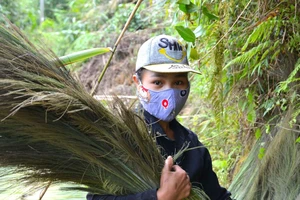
x=261 y=33
x=246 y=57
x=283 y=86
x=259 y=63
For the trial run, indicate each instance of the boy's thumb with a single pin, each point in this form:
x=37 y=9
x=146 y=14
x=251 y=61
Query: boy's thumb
x=168 y=164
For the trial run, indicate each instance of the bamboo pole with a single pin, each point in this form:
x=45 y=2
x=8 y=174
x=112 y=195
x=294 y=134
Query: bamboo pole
x=115 y=46
x=45 y=190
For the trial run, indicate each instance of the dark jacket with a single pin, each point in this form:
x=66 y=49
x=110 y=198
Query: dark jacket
x=197 y=163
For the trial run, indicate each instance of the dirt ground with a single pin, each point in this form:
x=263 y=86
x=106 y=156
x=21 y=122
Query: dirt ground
x=118 y=77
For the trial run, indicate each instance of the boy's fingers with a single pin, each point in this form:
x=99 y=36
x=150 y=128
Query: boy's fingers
x=168 y=164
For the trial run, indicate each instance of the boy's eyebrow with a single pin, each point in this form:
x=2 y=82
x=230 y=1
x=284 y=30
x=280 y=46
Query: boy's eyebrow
x=181 y=75
x=157 y=74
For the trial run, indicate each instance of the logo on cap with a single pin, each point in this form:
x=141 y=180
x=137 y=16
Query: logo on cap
x=173 y=46
x=175 y=66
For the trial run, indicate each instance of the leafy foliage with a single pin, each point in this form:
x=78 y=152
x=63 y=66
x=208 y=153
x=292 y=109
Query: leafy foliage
x=246 y=51
x=22 y=13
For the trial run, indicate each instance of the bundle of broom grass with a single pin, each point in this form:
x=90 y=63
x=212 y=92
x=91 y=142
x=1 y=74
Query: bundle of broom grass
x=52 y=130
x=276 y=175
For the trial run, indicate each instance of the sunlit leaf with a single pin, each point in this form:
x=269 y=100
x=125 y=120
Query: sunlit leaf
x=199 y=31
x=186 y=33
x=209 y=14
x=183 y=8
x=192 y=8
x=188 y=7
x=261 y=153
x=186 y=2
x=194 y=54
x=251 y=116
x=258 y=133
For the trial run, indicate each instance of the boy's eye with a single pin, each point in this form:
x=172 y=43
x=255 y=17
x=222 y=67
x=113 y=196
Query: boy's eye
x=178 y=82
x=157 y=82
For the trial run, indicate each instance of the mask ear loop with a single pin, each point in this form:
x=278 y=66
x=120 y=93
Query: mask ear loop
x=154 y=122
x=140 y=84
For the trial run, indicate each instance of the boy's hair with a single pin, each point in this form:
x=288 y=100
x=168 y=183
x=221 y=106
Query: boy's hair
x=139 y=73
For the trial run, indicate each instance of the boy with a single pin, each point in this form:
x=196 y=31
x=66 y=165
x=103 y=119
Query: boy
x=163 y=87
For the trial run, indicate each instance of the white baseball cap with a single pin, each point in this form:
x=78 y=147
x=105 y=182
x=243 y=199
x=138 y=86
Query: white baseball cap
x=164 y=54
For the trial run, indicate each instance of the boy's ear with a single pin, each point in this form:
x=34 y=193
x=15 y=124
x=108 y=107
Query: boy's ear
x=135 y=79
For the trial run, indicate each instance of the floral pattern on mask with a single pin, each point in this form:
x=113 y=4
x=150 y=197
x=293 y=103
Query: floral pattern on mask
x=144 y=93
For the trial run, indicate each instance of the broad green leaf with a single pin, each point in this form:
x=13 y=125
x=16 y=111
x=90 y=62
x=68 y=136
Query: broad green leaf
x=186 y=33
x=188 y=8
x=192 y=8
x=182 y=5
x=258 y=133
x=83 y=55
x=186 y=2
x=194 y=54
x=251 y=116
x=250 y=96
x=183 y=8
x=261 y=153
x=298 y=140
x=209 y=14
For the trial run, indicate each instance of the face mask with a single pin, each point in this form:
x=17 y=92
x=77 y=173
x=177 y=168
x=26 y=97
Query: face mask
x=164 y=105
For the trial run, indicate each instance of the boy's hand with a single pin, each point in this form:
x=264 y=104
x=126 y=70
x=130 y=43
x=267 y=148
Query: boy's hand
x=174 y=182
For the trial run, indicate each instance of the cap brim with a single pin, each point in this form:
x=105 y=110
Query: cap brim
x=171 y=68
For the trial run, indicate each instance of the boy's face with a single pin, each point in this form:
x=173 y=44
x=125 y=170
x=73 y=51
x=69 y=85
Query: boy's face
x=162 y=81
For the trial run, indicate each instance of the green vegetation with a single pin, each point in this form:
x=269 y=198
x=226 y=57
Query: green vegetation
x=248 y=53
